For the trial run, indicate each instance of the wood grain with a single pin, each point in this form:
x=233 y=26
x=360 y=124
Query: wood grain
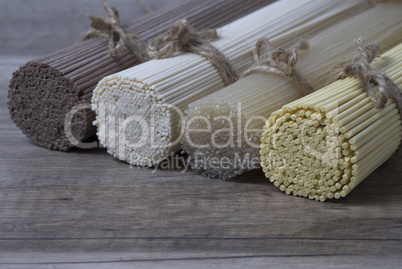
x=83 y=209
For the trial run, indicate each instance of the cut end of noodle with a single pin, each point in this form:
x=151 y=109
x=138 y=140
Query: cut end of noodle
x=306 y=153
x=40 y=98
x=215 y=142
x=132 y=123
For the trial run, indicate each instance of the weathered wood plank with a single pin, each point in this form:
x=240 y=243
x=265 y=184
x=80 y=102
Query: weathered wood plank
x=238 y=261
x=83 y=209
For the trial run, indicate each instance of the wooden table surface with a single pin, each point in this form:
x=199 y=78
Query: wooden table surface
x=84 y=209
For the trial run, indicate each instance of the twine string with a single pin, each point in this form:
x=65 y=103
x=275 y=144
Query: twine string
x=181 y=37
x=144 y=6
x=118 y=39
x=359 y=67
x=280 y=62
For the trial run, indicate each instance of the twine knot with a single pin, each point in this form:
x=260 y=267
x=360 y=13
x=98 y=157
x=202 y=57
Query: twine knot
x=181 y=37
x=280 y=62
x=359 y=67
x=118 y=39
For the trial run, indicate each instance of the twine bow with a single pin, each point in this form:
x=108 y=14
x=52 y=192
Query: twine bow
x=360 y=68
x=181 y=37
x=118 y=39
x=280 y=62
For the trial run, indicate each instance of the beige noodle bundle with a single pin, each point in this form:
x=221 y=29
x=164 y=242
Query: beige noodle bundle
x=229 y=144
x=139 y=110
x=323 y=145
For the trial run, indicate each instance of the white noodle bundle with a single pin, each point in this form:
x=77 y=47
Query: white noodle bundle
x=248 y=101
x=323 y=145
x=139 y=110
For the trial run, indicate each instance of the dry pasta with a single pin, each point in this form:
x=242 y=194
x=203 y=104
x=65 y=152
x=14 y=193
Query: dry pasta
x=45 y=90
x=139 y=109
x=323 y=145
x=247 y=102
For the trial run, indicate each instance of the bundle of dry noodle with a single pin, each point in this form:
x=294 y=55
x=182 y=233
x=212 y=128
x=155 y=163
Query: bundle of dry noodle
x=323 y=145
x=237 y=113
x=139 y=110
x=44 y=90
